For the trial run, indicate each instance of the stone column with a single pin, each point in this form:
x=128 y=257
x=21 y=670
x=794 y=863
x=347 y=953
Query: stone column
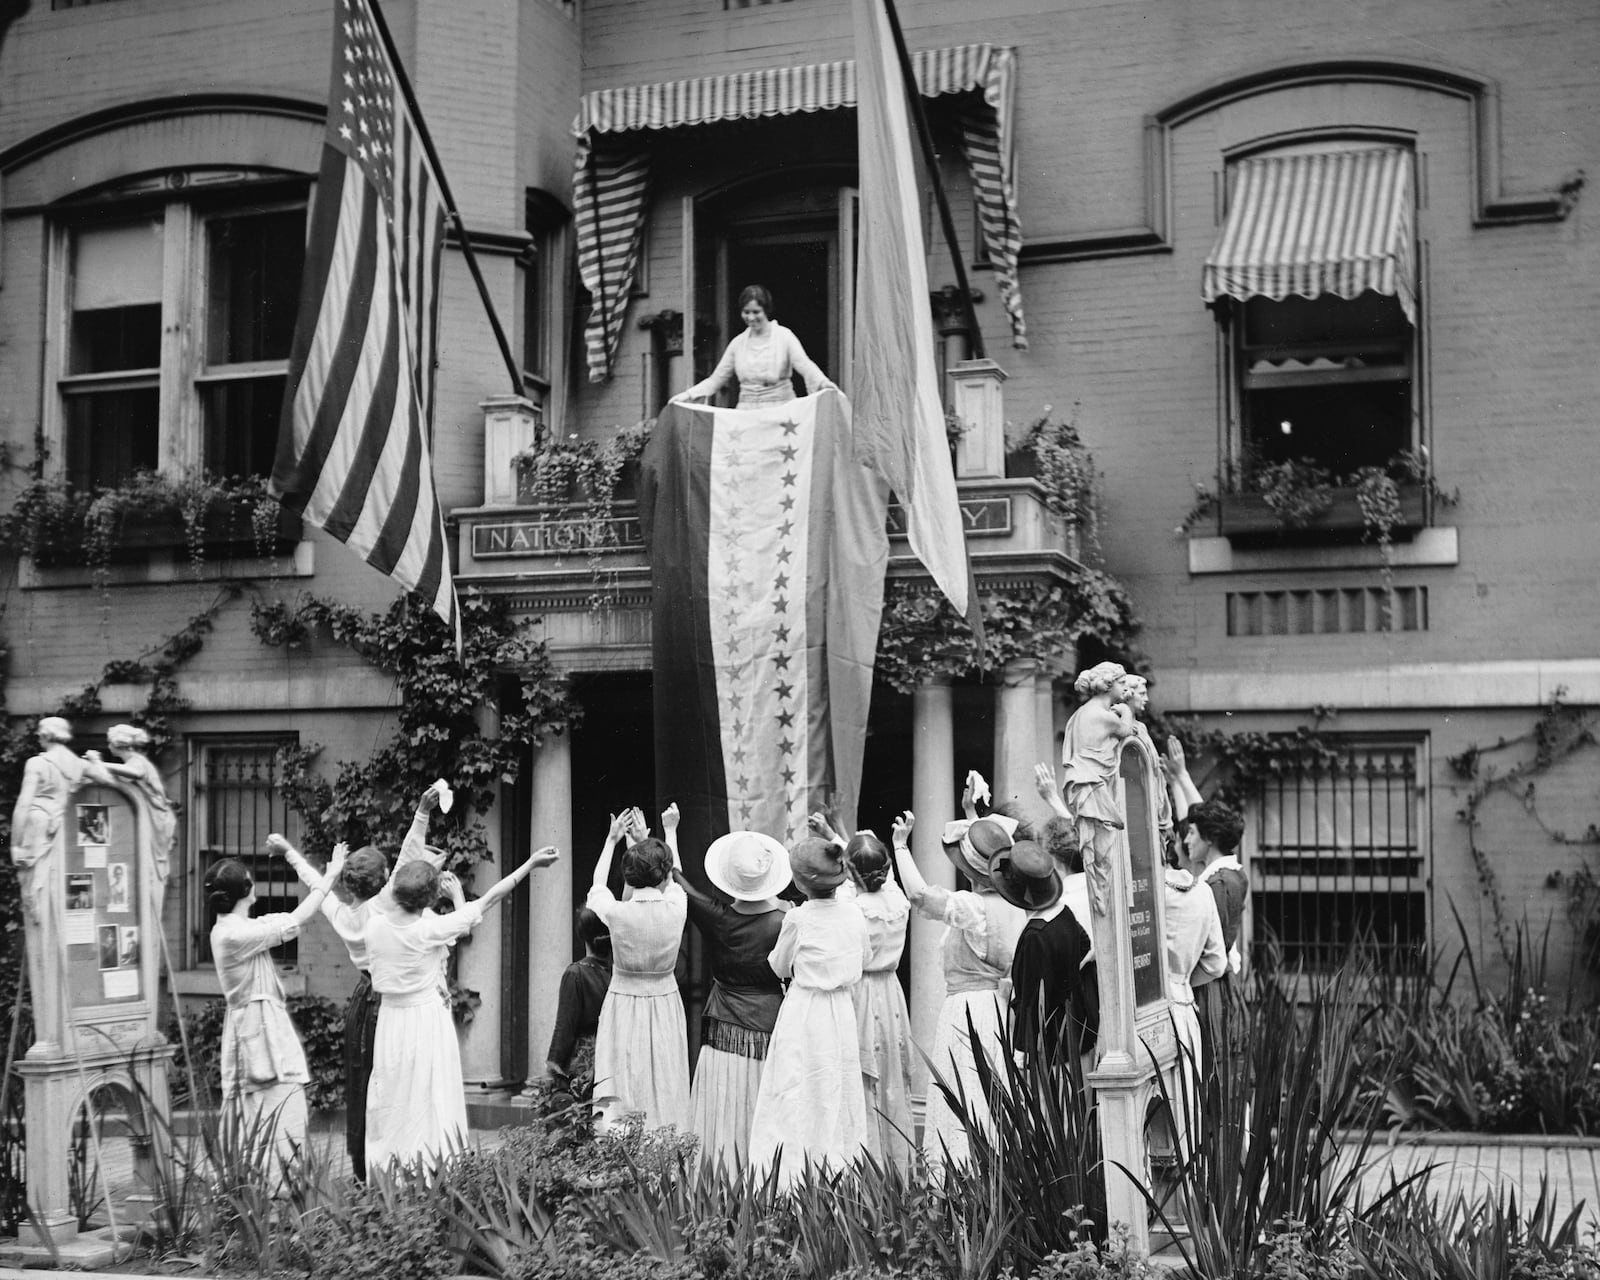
x=933 y=765
x=478 y=959
x=1044 y=715
x=510 y=425
x=977 y=399
x=1016 y=735
x=551 y=907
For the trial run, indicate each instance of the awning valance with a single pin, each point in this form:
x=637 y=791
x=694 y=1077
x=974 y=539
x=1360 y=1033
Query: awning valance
x=1338 y=222
x=611 y=184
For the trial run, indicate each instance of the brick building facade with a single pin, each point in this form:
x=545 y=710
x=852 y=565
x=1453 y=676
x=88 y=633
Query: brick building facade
x=146 y=137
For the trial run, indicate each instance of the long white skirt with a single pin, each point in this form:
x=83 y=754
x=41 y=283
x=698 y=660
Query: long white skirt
x=641 y=1060
x=943 y=1135
x=275 y=1116
x=883 y=1025
x=416 y=1104
x=812 y=1106
x=1190 y=1071
x=723 y=1103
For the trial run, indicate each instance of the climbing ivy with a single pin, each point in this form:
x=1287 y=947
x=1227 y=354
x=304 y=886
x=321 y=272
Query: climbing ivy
x=440 y=730
x=1561 y=731
x=922 y=638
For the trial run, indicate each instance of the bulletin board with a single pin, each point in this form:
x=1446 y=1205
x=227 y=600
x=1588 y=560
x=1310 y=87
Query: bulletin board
x=103 y=932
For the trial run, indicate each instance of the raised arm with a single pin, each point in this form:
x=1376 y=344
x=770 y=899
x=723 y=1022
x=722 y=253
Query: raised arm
x=1185 y=795
x=818 y=824
x=910 y=875
x=669 y=827
x=497 y=892
x=602 y=868
x=312 y=903
x=415 y=845
x=308 y=875
x=1044 y=782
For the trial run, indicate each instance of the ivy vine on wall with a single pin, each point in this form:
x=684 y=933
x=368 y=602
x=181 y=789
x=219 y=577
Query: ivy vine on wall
x=1560 y=732
x=440 y=729
x=921 y=638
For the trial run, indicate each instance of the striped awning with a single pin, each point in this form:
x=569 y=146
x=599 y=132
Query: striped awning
x=612 y=178
x=1338 y=222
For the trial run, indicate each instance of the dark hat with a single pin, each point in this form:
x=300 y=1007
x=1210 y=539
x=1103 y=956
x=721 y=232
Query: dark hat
x=1026 y=876
x=818 y=866
x=972 y=845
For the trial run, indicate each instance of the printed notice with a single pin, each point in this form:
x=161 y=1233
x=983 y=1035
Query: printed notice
x=94 y=857
x=119 y=984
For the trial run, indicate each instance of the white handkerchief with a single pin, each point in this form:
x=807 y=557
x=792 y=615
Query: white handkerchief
x=447 y=797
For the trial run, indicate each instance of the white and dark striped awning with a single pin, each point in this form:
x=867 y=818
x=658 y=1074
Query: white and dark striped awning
x=611 y=183
x=1338 y=222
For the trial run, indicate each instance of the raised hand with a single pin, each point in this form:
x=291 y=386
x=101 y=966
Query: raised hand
x=341 y=852
x=278 y=846
x=638 y=829
x=543 y=857
x=1044 y=782
x=900 y=833
x=450 y=884
x=670 y=817
x=818 y=824
x=619 y=824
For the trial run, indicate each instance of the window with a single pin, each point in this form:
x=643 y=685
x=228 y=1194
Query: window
x=238 y=802
x=176 y=327
x=1327 y=380
x=1314 y=276
x=1341 y=856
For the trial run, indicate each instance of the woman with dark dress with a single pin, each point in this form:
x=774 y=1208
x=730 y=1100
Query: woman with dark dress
x=742 y=1008
x=1211 y=840
x=583 y=992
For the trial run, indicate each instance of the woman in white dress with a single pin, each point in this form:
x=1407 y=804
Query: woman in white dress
x=416 y=1104
x=641 y=1049
x=883 y=1023
x=761 y=360
x=980 y=939
x=264 y=1073
x=1195 y=956
x=812 y=1107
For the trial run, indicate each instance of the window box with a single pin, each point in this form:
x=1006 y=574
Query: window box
x=1245 y=518
x=226 y=531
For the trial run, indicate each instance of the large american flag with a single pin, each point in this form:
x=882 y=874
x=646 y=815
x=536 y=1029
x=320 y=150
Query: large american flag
x=353 y=437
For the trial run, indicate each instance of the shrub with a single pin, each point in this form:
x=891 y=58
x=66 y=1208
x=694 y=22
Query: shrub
x=319 y=1022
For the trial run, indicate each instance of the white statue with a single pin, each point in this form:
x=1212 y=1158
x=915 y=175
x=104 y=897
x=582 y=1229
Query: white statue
x=138 y=772
x=1089 y=752
x=38 y=851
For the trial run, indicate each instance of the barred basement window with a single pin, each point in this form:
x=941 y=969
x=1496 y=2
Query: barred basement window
x=238 y=802
x=1341 y=856
x=1327 y=611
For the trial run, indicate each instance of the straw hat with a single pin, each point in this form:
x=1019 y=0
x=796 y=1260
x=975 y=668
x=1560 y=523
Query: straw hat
x=971 y=845
x=748 y=866
x=1026 y=876
x=818 y=866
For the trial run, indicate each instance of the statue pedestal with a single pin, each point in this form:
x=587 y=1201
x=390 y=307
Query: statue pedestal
x=55 y=1089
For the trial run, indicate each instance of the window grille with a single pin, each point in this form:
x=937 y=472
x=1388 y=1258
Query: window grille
x=1341 y=856
x=238 y=803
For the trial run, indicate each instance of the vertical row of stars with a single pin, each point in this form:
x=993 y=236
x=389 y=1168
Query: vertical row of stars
x=791 y=768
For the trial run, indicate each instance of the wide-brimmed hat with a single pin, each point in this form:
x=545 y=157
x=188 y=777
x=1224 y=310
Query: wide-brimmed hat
x=748 y=866
x=972 y=844
x=818 y=866
x=1026 y=876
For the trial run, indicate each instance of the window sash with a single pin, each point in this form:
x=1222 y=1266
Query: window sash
x=1340 y=850
x=236 y=802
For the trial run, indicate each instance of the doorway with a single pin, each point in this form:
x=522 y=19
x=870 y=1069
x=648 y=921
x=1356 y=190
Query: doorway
x=796 y=265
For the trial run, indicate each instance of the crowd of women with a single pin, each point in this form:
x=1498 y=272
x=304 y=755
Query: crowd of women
x=805 y=1052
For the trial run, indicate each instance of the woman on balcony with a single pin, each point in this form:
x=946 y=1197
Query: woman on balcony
x=761 y=359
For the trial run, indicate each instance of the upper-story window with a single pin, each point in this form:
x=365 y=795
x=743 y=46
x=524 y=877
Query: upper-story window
x=174 y=330
x=1314 y=273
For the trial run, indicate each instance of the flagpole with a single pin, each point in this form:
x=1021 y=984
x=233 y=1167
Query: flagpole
x=462 y=234
x=931 y=159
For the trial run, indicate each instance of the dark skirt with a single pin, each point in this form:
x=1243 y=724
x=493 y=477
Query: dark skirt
x=360 y=1030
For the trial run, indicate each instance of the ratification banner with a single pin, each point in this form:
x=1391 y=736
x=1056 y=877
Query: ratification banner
x=767 y=548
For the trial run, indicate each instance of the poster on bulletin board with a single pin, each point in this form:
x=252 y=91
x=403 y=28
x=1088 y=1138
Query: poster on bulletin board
x=103 y=928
